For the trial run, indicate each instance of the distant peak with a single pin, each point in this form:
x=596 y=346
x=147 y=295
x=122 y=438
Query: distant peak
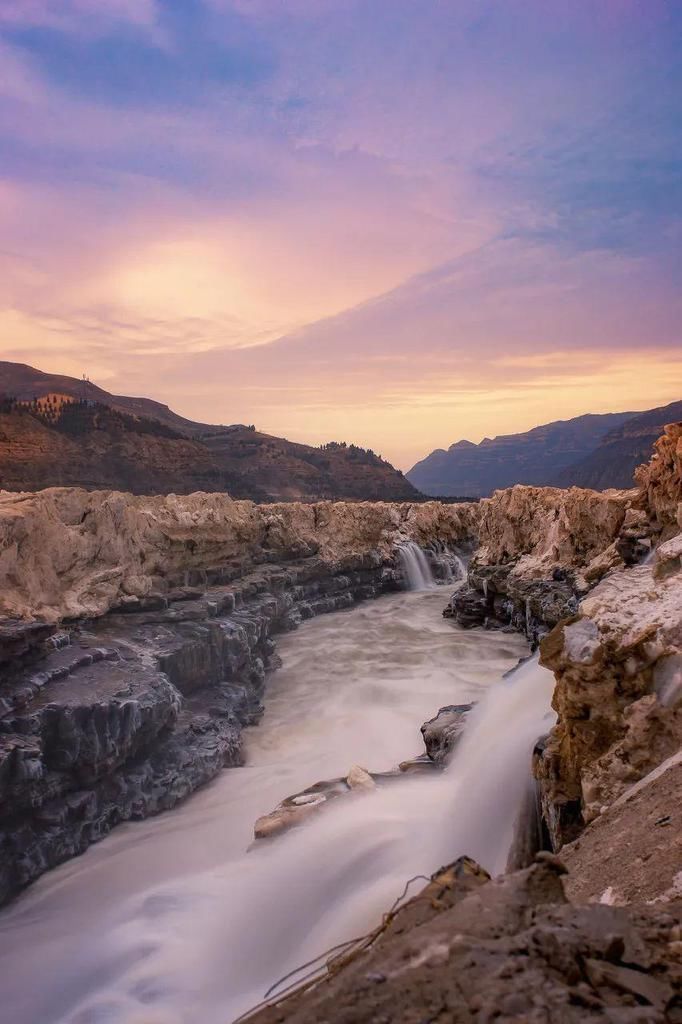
x=461 y=444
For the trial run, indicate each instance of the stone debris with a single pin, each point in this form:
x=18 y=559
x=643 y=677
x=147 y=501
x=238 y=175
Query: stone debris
x=470 y=950
x=360 y=779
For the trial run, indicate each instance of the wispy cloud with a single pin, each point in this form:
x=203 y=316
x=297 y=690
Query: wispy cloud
x=334 y=217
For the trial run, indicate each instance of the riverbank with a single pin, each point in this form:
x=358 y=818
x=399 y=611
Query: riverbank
x=157 y=906
x=594 y=579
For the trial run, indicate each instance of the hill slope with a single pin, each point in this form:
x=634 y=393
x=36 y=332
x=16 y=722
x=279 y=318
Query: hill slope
x=597 y=451
x=535 y=457
x=613 y=463
x=139 y=445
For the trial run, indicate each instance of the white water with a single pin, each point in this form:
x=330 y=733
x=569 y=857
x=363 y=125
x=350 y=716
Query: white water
x=170 y=921
x=415 y=566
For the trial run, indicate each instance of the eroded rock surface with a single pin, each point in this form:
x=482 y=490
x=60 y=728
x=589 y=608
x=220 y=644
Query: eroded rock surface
x=67 y=553
x=540 y=548
x=632 y=853
x=660 y=481
x=121 y=717
x=618 y=666
x=512 y=949
x=441 y=733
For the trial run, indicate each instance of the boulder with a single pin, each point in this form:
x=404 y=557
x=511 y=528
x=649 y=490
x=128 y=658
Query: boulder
x=441 y=734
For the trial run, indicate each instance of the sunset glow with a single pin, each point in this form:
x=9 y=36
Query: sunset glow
x=393 y=223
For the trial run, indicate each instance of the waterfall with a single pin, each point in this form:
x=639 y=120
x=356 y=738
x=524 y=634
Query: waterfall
x=461 y=570
x=207 y=935
x=648 y=559
x=415 y=566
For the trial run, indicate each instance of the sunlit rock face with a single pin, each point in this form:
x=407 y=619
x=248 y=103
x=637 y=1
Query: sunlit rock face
x=539 y=550
x=618 y=665
x=660 y=481
x=67 y=552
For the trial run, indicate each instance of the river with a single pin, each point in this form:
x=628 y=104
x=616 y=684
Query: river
x=174 y=921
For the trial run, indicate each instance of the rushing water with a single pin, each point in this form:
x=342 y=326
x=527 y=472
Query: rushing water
x=415 y=566
x=172 y=921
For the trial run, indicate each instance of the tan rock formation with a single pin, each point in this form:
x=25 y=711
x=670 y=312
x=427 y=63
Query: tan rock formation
x=632 y=853
x=539 y=528
x=67 y=552
x=660 y=481
x=618 y=697
x=470 y=950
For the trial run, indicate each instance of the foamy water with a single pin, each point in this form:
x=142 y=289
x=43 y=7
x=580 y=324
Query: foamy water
x=171 y=921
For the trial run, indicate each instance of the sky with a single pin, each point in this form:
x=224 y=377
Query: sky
x=392 y=222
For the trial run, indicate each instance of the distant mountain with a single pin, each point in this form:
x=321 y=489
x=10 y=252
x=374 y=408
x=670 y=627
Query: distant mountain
x=535 y=457
x=597 y=451
x=613 y=463
x=60 y=431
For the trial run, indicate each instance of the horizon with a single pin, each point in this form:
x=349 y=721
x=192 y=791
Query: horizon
x=396 y=226
x=406 y=468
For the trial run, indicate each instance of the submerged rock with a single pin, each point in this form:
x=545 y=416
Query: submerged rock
x=442 y=733
x=440 y=736
x=296 y=809
x=360 y=779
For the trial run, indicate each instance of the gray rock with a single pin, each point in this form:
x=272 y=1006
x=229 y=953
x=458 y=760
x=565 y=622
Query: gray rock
x=441 y=733
x=125 y=716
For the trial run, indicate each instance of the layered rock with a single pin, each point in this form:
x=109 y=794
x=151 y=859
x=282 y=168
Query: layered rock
x=67 y=552
x=618 y=666
x=123 y=716
x=602 y=573
x=140 y=637
x=660 y=481
x=539 y=550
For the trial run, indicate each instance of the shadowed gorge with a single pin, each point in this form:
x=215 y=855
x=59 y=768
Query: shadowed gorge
x=138 y=644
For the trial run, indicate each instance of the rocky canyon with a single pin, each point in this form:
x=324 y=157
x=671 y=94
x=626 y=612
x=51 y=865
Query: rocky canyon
x=138 y=638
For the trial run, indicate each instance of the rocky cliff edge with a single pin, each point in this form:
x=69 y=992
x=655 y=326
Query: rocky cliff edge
x=68 y=553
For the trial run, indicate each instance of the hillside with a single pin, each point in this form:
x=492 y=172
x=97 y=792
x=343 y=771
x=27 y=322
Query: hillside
x=25 y=383
x=84 y=436
x=598 y=451
x=534 y=457
x=621 y=451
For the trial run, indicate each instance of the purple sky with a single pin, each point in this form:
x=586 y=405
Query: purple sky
x=394 y=222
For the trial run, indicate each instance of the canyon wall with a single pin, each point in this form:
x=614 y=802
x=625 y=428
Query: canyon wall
x=541 y=549
x=67 y=552
x=596 y=580
x=618 y=665
x=137 y=635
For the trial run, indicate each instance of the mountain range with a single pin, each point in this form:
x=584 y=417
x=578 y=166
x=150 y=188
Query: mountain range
x=60 y=431
x=57 y=430
x=597 y=451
